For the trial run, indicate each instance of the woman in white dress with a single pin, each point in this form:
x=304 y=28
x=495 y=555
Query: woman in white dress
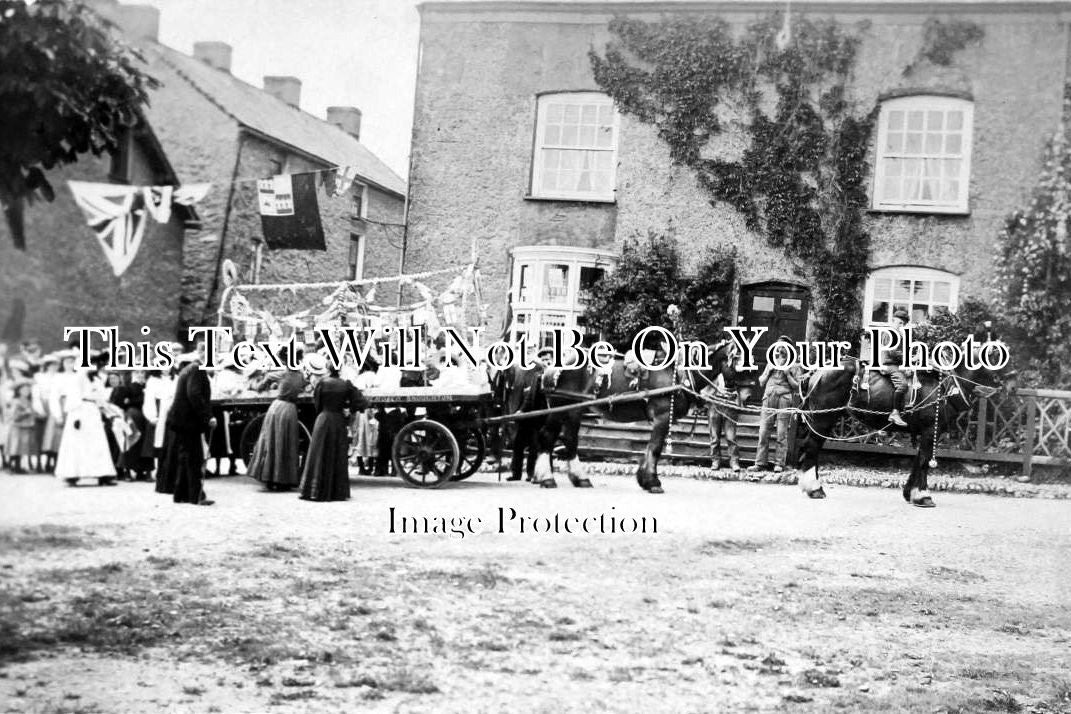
x=84 y=451
x=159 y=393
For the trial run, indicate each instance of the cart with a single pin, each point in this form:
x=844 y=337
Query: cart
x=445 y=443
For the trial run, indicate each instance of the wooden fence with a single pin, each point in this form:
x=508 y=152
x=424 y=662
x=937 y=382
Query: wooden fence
x=1031 y=427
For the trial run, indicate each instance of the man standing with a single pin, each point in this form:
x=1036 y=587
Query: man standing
x=780 y=385
x=526 y=395
x=727 y=387
x=188 y=419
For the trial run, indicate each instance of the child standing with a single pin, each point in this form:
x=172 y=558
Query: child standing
x=21 y=439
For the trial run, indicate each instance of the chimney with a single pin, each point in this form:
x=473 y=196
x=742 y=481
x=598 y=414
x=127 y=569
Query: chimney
x=137 y=21
x=348 y=119
x=214 y=54
x=286 y=88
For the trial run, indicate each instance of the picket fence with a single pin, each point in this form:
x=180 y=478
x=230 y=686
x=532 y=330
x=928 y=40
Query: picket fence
x=1030 y=427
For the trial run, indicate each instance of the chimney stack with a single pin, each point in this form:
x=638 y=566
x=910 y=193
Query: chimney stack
x=286 y=88
x=137 y=21
x=214 y=54
x=348 y=119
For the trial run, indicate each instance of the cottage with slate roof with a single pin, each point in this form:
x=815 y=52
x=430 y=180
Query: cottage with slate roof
x=216 y=127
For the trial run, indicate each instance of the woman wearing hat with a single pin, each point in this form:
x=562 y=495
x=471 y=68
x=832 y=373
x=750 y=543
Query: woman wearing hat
x=327 y=476
x=50 y=425
x=84 y=451
x=276 y=461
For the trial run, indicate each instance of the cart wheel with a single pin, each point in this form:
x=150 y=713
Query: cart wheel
x=252 y=432
x=425 y=454
x=249 y=438
x=473 y=449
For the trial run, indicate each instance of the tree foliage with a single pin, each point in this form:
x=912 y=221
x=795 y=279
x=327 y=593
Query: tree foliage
x=1034 y=265
x=67 y=87
x=649 y=278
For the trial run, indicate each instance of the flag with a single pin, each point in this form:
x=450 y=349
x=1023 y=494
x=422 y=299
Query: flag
x=289 y=212
x=338 y=181
x=158 y=202
x=190 y=194
x=116 y=214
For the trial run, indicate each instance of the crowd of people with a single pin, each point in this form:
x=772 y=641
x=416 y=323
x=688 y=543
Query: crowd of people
x=97 y=424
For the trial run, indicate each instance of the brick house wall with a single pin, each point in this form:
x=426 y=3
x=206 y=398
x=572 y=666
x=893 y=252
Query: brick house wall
x=482 y=68
x=211 y=145
x=63 y=278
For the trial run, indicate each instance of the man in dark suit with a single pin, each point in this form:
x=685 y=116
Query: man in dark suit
x=526 y=395
x=190 y=417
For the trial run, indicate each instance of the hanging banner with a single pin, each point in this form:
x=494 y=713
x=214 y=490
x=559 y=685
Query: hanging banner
x=117 y=216
x=289 y=212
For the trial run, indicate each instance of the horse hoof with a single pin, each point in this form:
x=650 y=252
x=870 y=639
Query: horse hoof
x=549 y=483
x=817 y=493
x=924 y=502
x=655 y=489
x=583 y=483
x=907 y=495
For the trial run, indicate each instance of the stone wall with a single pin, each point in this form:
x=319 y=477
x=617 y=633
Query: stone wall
x=63 y=279
x=475 y=113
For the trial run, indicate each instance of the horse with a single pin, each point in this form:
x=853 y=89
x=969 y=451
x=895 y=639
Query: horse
x=576 y=385
x=941 y=398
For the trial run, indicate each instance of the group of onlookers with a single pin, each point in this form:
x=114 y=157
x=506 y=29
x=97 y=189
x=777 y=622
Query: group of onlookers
x=76 y=422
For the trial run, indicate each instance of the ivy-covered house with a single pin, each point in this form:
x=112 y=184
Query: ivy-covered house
x=861 y=156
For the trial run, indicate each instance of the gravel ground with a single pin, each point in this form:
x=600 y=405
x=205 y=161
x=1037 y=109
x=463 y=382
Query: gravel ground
x=748 y=597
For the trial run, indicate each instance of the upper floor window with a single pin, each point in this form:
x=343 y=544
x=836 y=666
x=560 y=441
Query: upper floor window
x=918 y=291
x=923 y=155
x=575 y=147
x=359 y=198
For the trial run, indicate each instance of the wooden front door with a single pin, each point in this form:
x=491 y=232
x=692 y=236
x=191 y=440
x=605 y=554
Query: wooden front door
x=779 y=307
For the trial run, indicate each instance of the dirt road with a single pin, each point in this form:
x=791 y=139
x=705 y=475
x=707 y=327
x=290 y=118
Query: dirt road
x=739 y=597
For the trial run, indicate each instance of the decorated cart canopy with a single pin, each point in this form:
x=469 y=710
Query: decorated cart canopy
x=279 y=311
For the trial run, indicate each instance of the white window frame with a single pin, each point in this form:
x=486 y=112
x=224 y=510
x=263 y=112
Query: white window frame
x=533 y=315
x=906 y=272
x=579 y=99
x=925 y=103
x=363 y=189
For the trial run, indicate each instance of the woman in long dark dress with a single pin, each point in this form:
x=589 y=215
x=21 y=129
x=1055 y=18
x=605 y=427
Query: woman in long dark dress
x=327 y=475
x=276 y=461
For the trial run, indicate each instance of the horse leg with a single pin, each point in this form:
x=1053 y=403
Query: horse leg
x=544 y=472
x=918 y=492
x=808 y=465
x=647 y=473
x=571 y=439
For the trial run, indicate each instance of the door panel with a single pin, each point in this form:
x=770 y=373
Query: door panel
x=780 y=307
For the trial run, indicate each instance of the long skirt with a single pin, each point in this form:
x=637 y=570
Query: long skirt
x=50 y=442
x=275 y=457
x=22 y=441
x=84 y=451
x=182 y=467
x=133 y=458
x=327 y=474
x=367 y=434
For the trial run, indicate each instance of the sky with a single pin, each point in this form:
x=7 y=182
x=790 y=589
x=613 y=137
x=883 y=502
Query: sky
x=358 y=53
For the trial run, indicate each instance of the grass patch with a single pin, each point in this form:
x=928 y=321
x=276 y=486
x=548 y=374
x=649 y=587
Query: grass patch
x=48 y=537
x=716 y=547
x=279 y=551
x=488 y=577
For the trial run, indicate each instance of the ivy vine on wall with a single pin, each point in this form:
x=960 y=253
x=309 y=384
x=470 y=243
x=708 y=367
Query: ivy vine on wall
x=799 y=179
